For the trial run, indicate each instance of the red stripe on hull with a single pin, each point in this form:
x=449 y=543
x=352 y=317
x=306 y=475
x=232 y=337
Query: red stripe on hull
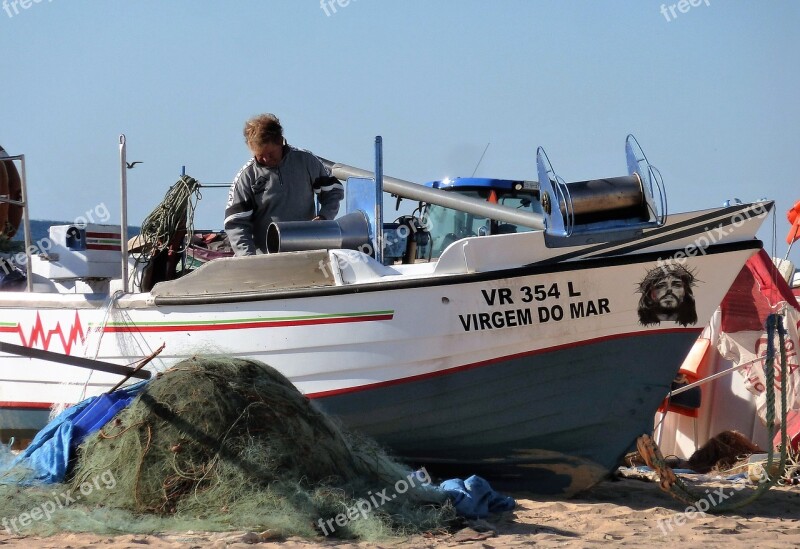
x=244 y=326
x=491 y=361
x=103 y=247
x=5 y=404
x=103 y=235
x=439 y=373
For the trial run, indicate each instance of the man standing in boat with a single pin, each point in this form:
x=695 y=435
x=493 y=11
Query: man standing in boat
x=278 y=183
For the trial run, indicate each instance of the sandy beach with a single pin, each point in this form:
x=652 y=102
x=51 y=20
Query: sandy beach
x=623 y=512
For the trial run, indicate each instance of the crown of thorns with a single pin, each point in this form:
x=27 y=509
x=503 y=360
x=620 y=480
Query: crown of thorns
x=658 y=273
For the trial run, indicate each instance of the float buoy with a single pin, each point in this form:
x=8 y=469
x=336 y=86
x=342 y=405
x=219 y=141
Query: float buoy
x=793 y=216
x=11 y=187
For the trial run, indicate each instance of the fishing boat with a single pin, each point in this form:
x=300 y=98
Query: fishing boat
x=525 y=331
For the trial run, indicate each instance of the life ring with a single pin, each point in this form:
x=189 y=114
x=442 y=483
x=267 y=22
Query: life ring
x=10 y=214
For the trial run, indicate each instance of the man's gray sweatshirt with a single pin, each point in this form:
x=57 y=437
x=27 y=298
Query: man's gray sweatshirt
x=260 y=195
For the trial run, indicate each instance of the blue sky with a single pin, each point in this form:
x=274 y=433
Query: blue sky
x=712 y=93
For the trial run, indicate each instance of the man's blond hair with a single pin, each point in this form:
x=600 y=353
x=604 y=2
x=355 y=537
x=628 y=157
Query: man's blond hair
x=262 y=130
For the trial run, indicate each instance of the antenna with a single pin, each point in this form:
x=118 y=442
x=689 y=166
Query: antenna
x=480 y=160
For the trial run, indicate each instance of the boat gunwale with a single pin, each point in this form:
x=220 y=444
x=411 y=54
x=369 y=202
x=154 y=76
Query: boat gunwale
x=447 y=279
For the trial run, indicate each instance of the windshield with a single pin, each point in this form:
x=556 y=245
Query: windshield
x=447 y=225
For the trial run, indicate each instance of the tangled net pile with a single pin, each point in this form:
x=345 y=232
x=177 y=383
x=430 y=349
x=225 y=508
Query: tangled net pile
x=223 y=443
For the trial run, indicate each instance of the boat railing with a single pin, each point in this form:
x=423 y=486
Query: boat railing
x=123 y=227
x=26 y=220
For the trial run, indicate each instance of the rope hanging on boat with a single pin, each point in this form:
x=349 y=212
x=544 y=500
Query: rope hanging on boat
x=174 y=216
x=674 y=486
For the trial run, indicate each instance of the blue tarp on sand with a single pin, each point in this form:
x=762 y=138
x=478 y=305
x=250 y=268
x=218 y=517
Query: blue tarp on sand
x=475 y=498
x=46 y=458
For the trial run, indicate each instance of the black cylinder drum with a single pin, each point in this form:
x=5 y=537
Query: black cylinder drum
x=350 y=232
x=607 y=199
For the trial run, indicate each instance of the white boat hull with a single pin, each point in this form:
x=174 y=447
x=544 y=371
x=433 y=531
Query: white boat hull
x=448 y=343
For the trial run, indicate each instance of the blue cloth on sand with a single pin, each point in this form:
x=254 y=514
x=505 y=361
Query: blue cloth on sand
x=475 y=498
x=46 y=459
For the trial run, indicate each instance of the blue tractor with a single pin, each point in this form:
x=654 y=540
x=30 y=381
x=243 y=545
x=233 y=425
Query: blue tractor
x=433 y=228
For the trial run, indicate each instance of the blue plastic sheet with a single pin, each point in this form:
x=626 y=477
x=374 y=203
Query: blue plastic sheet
x=475 y=498
x=46 y=459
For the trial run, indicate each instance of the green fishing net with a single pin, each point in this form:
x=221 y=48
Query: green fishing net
x=230 y=444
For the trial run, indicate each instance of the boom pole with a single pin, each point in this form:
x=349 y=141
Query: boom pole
x=414 y=191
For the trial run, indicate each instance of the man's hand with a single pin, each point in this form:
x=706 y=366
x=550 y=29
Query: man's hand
x=318 y=218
